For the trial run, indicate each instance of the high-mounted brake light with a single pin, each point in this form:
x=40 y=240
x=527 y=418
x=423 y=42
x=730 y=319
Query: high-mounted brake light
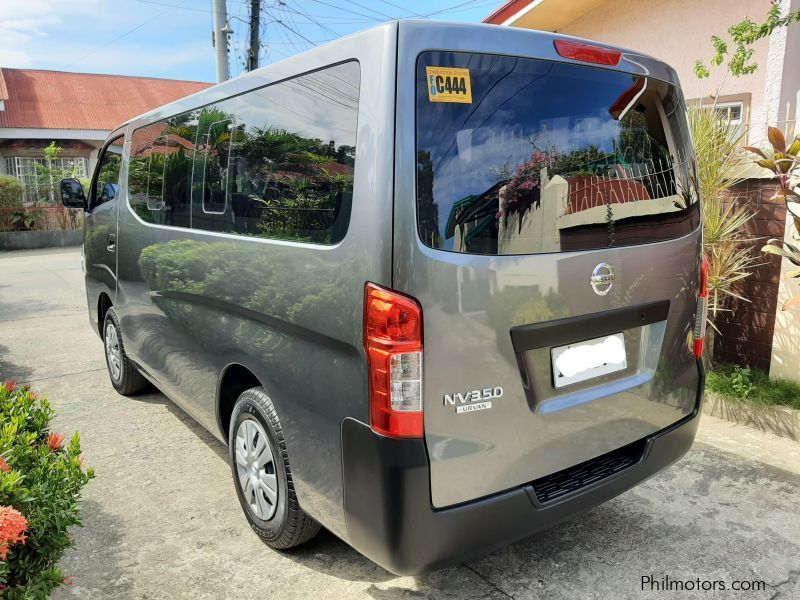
x=393 y=343
x=702 y=310
x=587 y=53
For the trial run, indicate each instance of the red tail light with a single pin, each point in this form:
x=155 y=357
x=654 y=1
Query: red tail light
x=587 y=53
x=702 y=310
x=393 y=342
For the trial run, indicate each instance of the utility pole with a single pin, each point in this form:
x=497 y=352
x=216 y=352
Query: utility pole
x=252 y=53
x=219 y=38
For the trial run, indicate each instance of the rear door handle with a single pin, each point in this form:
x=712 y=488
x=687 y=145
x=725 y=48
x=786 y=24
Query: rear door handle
x=112 y=242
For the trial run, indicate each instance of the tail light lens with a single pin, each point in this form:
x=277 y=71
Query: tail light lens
x=587 y=52
x=393 y=343
x=702 y=311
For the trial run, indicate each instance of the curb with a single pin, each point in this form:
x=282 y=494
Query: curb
x=779 y=420
x=30 y=240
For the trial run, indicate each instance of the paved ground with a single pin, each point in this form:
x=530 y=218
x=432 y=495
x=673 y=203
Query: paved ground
x=162 y=520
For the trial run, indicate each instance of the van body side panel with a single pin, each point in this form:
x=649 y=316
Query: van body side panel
x=523 y=427
x=193 y=302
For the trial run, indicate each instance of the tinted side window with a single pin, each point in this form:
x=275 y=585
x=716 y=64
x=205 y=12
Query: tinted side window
x=276 y=162
x=160 y=170
x=106 y=186
x=214 y=131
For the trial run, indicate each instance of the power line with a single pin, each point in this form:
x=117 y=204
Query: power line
x=122 y=35
x=192 y=8
x=393 y=5
x=294 y=31
x=470 y=4
x=313 y=19
x=347 y=10
x=377 y=12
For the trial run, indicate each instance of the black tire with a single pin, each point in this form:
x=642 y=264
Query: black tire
x=130 y=380
x=289 y=526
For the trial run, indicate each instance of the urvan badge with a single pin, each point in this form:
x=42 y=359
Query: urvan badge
x=446 y=84
x=472 y=400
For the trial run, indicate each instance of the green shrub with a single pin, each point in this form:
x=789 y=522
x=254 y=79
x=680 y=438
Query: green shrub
x=10 y=192
x=40 y=483
x=753 y=386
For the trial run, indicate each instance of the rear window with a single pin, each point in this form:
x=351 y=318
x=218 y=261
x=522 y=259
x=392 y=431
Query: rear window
x=524 y=156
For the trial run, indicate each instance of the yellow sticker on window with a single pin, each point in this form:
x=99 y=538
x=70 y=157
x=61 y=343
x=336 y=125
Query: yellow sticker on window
x=446 y=84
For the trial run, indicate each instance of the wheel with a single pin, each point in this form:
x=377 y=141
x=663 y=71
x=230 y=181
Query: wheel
x=262 y=476
x=124 y=375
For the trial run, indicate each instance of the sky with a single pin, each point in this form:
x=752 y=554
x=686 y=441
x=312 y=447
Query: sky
x=172 y=38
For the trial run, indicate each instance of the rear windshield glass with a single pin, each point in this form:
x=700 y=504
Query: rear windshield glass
x=523 y=156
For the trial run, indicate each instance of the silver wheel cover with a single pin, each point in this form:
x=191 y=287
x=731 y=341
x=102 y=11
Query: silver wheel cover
x=113 y=352
x=255 y=467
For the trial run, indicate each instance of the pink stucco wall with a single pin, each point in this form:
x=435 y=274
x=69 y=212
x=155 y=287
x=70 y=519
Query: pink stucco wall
x=679 y=32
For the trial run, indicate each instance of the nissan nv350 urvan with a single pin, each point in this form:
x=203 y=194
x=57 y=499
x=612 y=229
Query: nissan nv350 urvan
x=436 y=286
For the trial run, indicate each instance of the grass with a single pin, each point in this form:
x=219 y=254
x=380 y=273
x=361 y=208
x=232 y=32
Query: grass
x=753 y=386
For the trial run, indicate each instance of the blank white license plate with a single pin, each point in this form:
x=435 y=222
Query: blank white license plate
x=584 y=360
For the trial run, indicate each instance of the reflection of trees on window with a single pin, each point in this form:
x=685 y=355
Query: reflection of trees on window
x=157 y=175
x=212 y=150
x=294 y=186
x=107 y=184
x=251 y=164
x=428 y=211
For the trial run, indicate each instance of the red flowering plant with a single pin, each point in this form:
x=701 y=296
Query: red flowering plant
x=41 y=478
x=524 y=187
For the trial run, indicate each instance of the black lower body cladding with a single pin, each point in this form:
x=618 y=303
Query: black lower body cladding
x=390 y=519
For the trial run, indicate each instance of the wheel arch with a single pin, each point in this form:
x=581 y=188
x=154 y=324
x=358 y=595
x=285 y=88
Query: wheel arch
x=103 y=304
x=235 y=379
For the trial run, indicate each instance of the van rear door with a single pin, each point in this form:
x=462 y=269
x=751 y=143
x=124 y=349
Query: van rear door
x=555 y=250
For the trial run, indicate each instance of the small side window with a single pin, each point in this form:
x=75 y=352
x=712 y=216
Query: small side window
x=159 y=173
x=210 y=170
x=105 y=187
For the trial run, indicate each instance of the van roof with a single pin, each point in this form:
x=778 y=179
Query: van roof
x=449 y=35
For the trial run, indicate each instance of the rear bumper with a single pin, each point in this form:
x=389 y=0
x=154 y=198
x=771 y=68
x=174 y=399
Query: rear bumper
x=390 y=519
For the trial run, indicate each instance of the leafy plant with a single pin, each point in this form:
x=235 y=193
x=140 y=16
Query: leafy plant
x=23 y=220
x=41 y=479
x=48 y=173
x=720 y=161
x=742 y=382
x=792 y=252
x=753 y=385
x=10 y=199
x=10 y=192
x=744 y=34
x=783 y=161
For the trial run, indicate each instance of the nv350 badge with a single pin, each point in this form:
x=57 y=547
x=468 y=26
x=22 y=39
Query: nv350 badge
x=473 y=400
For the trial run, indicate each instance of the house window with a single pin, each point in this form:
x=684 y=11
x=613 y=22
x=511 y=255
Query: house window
x=35 y=179
x=732 y=111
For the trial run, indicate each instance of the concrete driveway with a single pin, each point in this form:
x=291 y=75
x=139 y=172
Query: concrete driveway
x=162 y=519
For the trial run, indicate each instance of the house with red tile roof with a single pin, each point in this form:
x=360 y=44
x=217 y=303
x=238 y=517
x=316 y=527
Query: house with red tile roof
x=75 y=110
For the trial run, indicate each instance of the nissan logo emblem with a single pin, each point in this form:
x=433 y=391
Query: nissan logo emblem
x=602 y=279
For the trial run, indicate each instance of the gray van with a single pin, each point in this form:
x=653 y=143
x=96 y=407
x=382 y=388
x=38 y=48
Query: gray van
x=437 y=286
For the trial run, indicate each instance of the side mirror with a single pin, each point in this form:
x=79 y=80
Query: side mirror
x=72 y=195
